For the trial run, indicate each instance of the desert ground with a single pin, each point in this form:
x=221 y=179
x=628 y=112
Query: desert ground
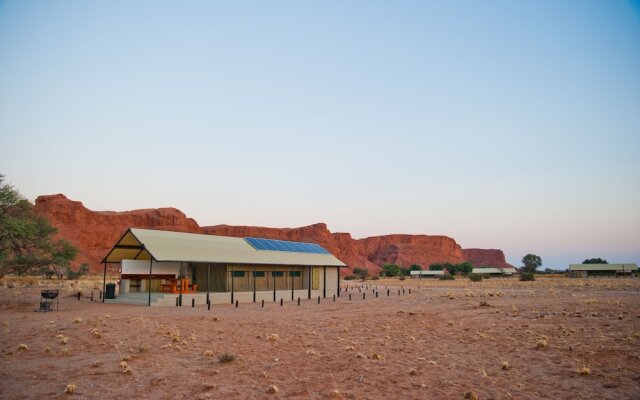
x=555 y=338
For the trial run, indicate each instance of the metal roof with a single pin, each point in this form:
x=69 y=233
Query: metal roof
x=145 y=244
x=486 y=271
x=427 y=272
x=603 y=267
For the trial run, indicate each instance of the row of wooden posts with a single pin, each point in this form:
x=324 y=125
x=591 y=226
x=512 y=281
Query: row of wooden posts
x=360 y=288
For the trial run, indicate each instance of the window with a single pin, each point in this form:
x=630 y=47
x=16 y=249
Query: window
x=237 y=274
x=258 y=274
x=277 y=273
x=294 y=273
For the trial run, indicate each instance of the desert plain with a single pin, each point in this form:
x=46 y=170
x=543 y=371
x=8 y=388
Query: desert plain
x=554 y=338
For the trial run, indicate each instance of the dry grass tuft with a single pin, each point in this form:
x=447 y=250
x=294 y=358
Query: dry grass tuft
x=376 y=356
x=273 y=389
x=585 y=370
x=96 y=333
x=208 y=353
x=505 y=365
x=23 y=346
x=70 y=388
x=360 y=355
x=126 y=369
x=470 y=395
x=542 y=343
x=77 y=320
x=273 y=337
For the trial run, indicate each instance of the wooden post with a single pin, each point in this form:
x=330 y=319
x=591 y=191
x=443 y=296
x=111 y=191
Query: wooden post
x=208 y=278
x=104 y=280
x=150 y=272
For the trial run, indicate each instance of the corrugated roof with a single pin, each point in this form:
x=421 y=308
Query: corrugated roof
x=603 y=267
x=427 y=272
x=143 y=244
x=486 y=271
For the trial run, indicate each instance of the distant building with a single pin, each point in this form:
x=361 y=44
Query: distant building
x=602 y=270
x=427 y=274
x=492 y=271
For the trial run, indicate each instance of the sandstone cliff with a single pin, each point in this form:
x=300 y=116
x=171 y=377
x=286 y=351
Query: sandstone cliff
x=486 y=258
x=94 y=232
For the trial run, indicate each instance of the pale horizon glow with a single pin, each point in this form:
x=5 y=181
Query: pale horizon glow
x=509 y=125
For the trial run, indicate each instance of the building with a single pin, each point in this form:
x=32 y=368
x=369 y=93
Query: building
x=158 y=267
x=492 y=271
x=602 y=270
x=427 y=274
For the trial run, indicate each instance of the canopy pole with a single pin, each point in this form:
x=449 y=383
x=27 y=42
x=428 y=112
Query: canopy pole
x=150 y=271
x=232 y=279
x=274 y=283
x=291 y=273
x=254 y=283
x=324 y=282
x=338 y=280
x=104 y=281
x=180 y=276
x=208 y=279
x=309 y=289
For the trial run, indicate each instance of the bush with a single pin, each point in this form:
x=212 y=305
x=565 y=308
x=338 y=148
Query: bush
x=375 y=278
x=475 y=277
x=349 y=278
x=527 y=276
x=447 y=277
x=226 y=358
x=402 y=277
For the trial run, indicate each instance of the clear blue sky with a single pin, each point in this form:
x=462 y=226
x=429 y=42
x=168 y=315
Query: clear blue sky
x=503 y=124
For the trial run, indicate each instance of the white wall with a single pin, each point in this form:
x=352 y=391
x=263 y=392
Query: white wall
x=141 y=267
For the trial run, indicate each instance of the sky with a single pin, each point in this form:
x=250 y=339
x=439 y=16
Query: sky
x=502 y=124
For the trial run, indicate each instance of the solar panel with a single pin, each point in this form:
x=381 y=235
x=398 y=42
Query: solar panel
x=284 y=245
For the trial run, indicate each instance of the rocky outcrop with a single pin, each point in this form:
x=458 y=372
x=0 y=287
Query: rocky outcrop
x=94 y=232
x=486 y=258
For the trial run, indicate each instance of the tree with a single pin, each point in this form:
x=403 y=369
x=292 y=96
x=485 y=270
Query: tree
x=416 y=267
x=361 y=273
x=437 y=267
x=25 y=238
x=531 y=262
x=391 y=270
x=595 y=261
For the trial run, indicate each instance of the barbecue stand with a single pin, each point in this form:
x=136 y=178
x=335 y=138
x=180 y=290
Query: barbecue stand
x=46 y=300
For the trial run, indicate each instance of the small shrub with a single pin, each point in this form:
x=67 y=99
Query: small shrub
x=349 y=278
x=527 y=276
x=475 y=277
x=226 y=358
x=375 y=278
x=402 y=277
x=447 y=277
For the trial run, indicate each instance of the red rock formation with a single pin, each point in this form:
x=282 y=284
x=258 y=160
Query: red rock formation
x=405 y=250
x=94 y=232
x=486 y=258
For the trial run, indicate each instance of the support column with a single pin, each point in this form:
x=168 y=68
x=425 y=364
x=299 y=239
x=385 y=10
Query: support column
x=254 y=283
x=324 y=282
x=292 y=282
x=208 y=280
x=338 y=280
x=274 y=282
x=104 y=281
x=232 y=278
x=181 y=277
x=309 y=289
x=149 y=283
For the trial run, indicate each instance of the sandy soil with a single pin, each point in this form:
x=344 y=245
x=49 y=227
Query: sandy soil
x=500 y=339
